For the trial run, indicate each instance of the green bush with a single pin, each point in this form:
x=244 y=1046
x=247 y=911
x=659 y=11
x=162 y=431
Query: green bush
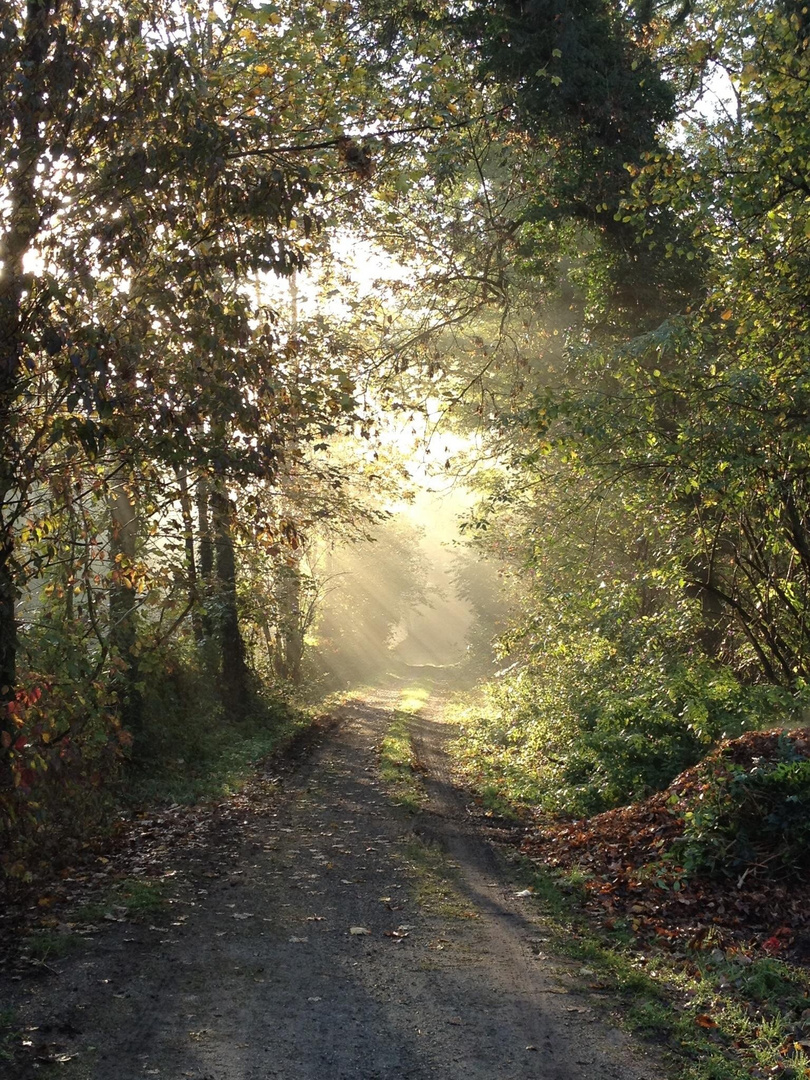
x=586 y=729
x=641 y=725
x=752 y=819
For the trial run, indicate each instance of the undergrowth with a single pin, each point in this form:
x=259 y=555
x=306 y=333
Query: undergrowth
x=754 y=816
x=585 y=733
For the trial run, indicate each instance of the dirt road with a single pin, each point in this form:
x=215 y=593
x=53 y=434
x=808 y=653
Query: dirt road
x=321 y=933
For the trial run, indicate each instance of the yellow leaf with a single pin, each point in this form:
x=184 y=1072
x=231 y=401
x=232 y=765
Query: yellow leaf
x=727 y=314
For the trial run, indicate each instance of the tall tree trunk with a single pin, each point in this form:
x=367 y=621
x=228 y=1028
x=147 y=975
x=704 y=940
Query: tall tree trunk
x=290 y=636
x=234 y=670
x=205 y=565
x=123 y=637
x=22 y=226
x=186 y=511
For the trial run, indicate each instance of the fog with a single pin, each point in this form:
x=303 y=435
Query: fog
x=412 y=597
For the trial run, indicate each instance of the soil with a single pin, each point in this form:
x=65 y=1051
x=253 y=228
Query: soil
x=313 y=929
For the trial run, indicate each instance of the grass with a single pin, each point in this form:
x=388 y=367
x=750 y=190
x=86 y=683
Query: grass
x=435 y=889
x=502 y=772
x=9 y=1035
x=132 y=900
x=46 y=945
x=211 y=761
x=397 y=763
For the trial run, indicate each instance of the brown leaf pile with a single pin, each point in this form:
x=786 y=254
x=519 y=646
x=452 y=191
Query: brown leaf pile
x=620 y=853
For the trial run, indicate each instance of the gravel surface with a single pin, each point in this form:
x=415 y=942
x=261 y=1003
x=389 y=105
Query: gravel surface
x=321 y=933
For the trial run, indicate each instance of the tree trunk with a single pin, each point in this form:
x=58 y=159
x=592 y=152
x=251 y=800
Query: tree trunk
x=234 y=671
x=290 y=637
x=206 y=561
x=22 y=226
x=123 y=540
x=191 y=561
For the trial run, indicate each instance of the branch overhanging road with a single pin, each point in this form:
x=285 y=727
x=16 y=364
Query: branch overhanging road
x=263 y=969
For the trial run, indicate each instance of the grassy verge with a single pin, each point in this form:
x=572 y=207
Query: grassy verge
x=398 y=765
x=718 y=1016
x=211 y=761
x=502 y=776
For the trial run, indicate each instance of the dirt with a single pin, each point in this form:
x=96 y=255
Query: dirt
x=258 y=964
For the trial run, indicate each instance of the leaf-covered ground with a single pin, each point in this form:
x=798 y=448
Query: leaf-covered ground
x=632 y=865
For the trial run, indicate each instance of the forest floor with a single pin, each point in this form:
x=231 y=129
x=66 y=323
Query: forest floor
x=345 y=916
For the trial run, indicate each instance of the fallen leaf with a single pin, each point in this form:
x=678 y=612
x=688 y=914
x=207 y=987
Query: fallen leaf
x=705 y=1021
x=299 y=940
x=358 y=931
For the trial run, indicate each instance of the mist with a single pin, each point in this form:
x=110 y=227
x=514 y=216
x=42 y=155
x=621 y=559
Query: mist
x=413 y=597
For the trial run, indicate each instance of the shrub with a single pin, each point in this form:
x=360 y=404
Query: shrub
x=66 y=749
x=585 y=730
x=754 y=816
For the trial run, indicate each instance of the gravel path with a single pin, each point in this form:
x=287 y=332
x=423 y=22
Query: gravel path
x=321 y=933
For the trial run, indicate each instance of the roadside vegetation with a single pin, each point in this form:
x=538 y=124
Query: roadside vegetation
x=691 y=904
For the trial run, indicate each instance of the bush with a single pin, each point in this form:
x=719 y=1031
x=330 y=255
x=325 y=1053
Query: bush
x=753 y=816
x=66 y=750
x=584 y=730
